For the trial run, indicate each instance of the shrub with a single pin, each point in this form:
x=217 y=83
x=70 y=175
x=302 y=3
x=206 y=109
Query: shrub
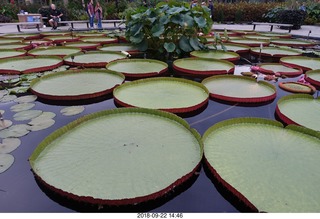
x=242 y=11
x=169 y=28
x=8 y=11
x=294 y=17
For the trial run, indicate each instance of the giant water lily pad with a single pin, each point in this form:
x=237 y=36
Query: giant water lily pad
x=83 y=45
x=239 y=89
x=62 y=39
x=275 y=52
x=111 y=166
x=16 y=46
x=9 y=144
x=292 y=42
x=90 y=34
x=216 y=54
x=76 y=85
x=313 y=77
x=277 y=68
x=7 y=41
x=249 y=42
x=296 y=87
x=306 y=63
x=93 y=59
x=272 y=34
x=100 y=40
x=6 y=161
x=25 y=36
x=119 y=47
x=267 y=167
x=9 y=53
x=169 y=94
x=259 y=37
x=300 y=109
x=29 y=64
x=202 y=67
x=138 y=68
x=231 y=47
x=54 y=51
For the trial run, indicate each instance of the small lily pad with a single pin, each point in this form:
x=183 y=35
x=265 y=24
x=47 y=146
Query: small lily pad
x=37 y=125
x=72 y=110
x=5 y=124
x=2 y=112
x=6 y=160
x=44 y=116
x=26 y=115
x=26 y=99
x=22 y=107
x=9 y=144
x=15 y=131
x=8 y=98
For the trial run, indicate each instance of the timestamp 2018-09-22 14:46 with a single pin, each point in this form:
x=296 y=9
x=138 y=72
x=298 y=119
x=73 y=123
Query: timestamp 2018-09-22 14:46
x=160 y=215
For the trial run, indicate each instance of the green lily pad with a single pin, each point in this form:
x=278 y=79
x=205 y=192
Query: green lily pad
x=306 y=63
x=8 y=98
x=119 y=47
x=292 y=42
x=72 y=110
x=275 y=52
x=171 y=148
x=277 y=68
x=56 y=50
x=9 y=53
x=216 y=54
x=76 y=85
x=9 y=144
x=313 y=77
x=169 y=94
x=6 y=161
x=300 y=109
x=37 y=124
x=22 y=107
x=26 y=115
x=265 y=166
x=240 y=89
x=5 y=123
x=15 y=131
x=26 y=99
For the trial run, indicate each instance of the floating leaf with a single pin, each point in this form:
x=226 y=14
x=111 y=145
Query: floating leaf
x=22 y=107
x=9 y=144
x=36 y=125
x=6 y=161
x=26 y=99
x=8 y=98
x=26 y=115
x=44 y=116
x=72 y=110
x=5 y=124
x=15 y=131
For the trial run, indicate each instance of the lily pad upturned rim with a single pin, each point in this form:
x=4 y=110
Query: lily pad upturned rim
x=284 y=86
x=280 y=55
x=60 y=39
x=92 y=64
x=283 y=42
x=280 y=35
x=240 y=99
x=239 y=197
x=244 y=48
x=30 y=52
x=284 y=60
x=102 y=42
x=203 y=73
x=51 y=33
x=23 y=36
x=73 y=97
x=232 y=59
x=282 y=116
x=31 y=70
x=137 y=75
x=289 y=74
x=170 y=79
x=118 y=202
x=22 y=53
x=308 y=77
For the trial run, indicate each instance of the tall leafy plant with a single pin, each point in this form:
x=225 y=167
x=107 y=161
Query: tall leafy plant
x=169 y=28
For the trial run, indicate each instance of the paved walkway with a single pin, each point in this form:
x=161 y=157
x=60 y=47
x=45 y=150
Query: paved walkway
x=304 y=31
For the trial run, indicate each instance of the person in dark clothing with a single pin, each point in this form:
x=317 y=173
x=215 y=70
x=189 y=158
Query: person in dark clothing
x=210 y=6
x=55 y=17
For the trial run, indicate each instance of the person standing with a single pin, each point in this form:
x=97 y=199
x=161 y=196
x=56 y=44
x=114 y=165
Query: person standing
x=91 y=13
x=55 y=17
x=210 y=6
x=98 y=13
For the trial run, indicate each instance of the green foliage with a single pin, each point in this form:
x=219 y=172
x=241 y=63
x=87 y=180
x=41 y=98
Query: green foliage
x=8 y=11
x=168 y=28
x=242 y=11
x=273 y=14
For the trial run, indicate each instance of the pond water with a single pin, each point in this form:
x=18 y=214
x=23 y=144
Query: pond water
x=19 y=191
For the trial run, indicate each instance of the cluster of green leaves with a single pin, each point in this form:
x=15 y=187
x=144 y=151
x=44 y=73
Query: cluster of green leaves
x=8 y=11
x=171 y=27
